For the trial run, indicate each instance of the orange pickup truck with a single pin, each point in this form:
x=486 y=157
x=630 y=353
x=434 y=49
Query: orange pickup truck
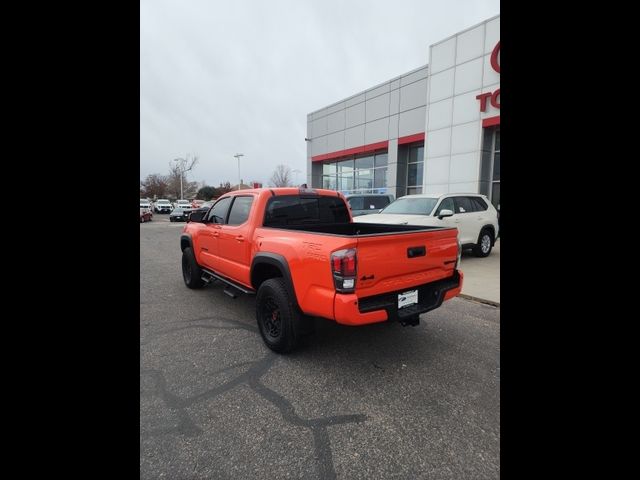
x=301 y=254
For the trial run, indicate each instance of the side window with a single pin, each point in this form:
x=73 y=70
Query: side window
x=355 y=203
x=463 y=205
x=377 y=202
x=240 y=210
x=479 y=204
x=446 y=204
x=218 y=212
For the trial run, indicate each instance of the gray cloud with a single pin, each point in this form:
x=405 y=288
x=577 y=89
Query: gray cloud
x=218 y=77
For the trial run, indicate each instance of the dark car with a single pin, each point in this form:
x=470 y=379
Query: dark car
x=204 y=207
x=179 y=215
x=145 y=215
x=366 y=203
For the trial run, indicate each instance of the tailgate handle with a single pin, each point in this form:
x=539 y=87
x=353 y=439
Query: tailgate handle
x=416 y=252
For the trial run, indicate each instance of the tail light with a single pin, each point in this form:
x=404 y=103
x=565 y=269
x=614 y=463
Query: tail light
x=344 y=266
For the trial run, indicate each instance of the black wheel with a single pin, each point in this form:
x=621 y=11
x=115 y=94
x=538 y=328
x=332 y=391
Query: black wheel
x=191 y=272
x=278 y=317
x=170 y=219
x=484 y=245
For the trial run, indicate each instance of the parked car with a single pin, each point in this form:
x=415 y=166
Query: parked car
x=179 y=215
x=368 y=203
x=472 y=214
x=145 y=215
x=163 y=206
x=204 y=207
x=182 y=204
x=145 y=203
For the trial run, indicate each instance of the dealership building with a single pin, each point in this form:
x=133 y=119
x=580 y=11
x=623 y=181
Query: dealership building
x=435 y=129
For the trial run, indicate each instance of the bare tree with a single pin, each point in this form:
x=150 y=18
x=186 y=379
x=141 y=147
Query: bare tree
x=178 y=167
x=281 y=176
x=154 y=186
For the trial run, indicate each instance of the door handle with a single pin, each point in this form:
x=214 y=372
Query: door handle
x=240 y=238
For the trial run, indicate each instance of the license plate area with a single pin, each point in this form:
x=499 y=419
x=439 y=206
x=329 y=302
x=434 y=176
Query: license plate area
x=407 y=298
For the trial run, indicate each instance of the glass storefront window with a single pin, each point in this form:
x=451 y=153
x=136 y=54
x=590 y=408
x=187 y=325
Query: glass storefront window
x=416 y=154
x=495 y=176
x=329 y=182
x=364 y=179
x=381 y=160
x=364 y=162
x=366 y=174
x=345 y=167
x=329 y=169
x=345 y=183
x=380 y=178
x=414 y=174
x=415 y=169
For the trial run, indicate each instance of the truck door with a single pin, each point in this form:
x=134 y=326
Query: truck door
x=234 y=246
x=211 y=233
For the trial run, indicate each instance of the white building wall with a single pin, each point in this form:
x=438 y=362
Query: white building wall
x=460 y=69
x=438 y=99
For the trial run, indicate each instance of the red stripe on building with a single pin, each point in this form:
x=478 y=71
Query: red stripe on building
x=352 y=151
x=491 y=121
x=417 y=137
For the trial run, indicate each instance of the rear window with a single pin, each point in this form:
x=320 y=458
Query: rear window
x=296 y=210
x=368 y=203
x=479 y=204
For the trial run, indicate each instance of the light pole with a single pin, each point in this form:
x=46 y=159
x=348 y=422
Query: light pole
x=180 y=164
x=238 y=155
x=296 y=172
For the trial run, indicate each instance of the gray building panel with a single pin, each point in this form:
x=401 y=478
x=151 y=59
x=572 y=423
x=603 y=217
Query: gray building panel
x=354 y=137
x=335 y=141
x=393 y=126
x=377 y=91
x=413 y=95
x=377 y=107
x=412 y=121
x=376 y=131
x=414 y=76
x=336 y=121
x=355 y=100
x=355 y=115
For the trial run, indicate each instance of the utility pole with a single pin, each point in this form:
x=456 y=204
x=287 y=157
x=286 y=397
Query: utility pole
x=238 y=155
x=181 y=164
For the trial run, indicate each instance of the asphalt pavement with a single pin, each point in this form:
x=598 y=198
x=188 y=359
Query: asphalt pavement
x=382 y=401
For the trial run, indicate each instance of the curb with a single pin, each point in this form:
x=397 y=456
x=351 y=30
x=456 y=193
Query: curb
x=479 y=300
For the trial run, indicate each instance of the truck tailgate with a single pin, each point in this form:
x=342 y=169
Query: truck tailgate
x=391 y=262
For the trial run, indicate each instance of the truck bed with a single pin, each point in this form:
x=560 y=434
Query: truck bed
x=356 y=229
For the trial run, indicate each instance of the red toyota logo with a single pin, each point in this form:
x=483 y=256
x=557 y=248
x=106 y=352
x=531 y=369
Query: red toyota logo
x=494 y=57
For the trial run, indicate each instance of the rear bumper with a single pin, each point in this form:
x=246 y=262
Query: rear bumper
x=349 y=310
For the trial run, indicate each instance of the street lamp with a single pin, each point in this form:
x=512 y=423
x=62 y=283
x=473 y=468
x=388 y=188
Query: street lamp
x=238 y=155
x=180 y=163
x=296 y=172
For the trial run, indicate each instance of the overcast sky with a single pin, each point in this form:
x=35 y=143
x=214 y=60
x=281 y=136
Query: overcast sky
x=240 y=76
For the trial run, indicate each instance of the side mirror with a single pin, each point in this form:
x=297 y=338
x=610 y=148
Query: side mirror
x=197 y=216
x=445 y=213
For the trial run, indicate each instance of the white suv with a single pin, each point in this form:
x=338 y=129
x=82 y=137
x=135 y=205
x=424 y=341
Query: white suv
x=471 y=213
x=163 y=206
